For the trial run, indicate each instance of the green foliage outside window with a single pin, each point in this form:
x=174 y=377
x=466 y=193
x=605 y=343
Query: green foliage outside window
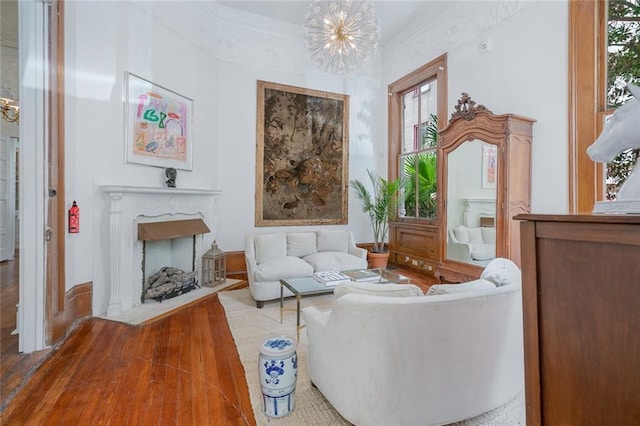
x=623 y=63
x=420 y=175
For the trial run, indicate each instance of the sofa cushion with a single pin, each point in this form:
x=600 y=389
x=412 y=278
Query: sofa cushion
x=334 y=261
x=270 y=246
x=483 y=251
x=475 y=285
x=475 y=235
x=488 y=235
x=333 y=241
x=300 y=244
x=501 y=271
x=461 y=234
x=377 y=289
x=283 y=267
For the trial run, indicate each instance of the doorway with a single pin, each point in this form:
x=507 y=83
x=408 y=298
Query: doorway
x=37 y=54
x=9 y=173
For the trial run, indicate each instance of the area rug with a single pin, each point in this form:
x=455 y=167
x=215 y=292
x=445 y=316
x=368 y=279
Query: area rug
x=250 y=326
x=151 y=311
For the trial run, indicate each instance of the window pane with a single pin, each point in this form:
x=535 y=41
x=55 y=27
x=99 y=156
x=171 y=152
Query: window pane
x=410 y=132
x=623 y=41
x=420 y=194
x=418 y=158
x=428 y=115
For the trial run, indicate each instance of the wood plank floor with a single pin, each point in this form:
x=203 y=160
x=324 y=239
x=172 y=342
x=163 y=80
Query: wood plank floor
x=180 y=370
x=14 y=366
x=183 y=369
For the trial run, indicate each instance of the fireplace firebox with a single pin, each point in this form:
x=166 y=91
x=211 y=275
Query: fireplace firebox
x=169 y=257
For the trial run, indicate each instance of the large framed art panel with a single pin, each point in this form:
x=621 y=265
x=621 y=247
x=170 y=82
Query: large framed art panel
x=159 y=125
x=302 y=156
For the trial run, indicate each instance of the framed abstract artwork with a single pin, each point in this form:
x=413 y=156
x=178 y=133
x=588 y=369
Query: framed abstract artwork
x=489 y=163
x=159 y=125
x=301 y=157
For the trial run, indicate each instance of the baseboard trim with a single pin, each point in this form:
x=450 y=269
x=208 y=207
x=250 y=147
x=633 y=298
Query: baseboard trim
x=78 y=302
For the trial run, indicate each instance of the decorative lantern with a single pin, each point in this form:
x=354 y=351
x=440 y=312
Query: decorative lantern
x=214 y=267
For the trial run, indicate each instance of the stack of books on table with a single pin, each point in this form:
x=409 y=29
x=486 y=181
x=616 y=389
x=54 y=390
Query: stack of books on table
x=362 y=275
x=330 y=278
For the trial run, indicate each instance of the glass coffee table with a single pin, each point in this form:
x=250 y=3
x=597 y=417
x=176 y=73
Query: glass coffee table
x=307 y=286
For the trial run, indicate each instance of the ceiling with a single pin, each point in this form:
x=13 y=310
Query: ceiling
x=394 y=15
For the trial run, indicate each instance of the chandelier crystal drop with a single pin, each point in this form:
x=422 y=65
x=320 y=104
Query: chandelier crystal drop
x=341 y=36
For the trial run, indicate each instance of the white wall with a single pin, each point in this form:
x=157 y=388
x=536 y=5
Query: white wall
x=524 y=72
x=237 y=143
x=272 y=51
x=128 y=40
x=224 y=95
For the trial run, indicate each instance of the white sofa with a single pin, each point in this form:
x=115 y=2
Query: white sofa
x=425 y=360
x=275 y=256
x=472 y=245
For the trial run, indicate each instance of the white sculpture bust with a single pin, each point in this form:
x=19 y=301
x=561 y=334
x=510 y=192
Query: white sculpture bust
x=622 y=132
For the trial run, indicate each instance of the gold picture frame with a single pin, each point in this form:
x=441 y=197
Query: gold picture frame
x=302 y=156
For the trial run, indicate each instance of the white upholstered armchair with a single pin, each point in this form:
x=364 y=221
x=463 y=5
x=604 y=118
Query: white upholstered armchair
x=426 y=360
x=472 y=245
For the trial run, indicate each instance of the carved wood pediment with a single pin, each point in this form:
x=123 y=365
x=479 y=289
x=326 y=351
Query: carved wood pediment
x=466 y=108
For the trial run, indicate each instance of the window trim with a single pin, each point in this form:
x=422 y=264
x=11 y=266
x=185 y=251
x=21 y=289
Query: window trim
x=587 y=100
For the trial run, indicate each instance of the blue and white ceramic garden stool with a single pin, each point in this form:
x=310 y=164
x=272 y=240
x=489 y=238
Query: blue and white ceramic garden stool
x=278 y=372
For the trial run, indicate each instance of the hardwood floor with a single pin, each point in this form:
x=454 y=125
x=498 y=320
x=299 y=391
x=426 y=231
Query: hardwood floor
x=182 y=369
x=14 y=366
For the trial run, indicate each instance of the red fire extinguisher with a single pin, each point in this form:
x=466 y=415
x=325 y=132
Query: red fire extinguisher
x=74 y=219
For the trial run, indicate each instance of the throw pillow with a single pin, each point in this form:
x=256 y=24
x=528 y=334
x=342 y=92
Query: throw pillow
x=488 y=234
x=475 y=285
x=501 y=272
x=475 y=235
x=270 y=246
x=483 y=252
x=376 y=289
x=461 y=234
x=301 y=244
x=333 y=241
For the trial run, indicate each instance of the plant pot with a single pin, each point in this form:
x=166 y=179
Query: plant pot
x=378 y=260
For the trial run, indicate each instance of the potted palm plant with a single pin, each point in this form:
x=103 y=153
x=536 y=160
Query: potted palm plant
x=379 y=204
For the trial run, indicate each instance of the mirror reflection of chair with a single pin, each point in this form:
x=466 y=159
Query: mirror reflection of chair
x=472 y=245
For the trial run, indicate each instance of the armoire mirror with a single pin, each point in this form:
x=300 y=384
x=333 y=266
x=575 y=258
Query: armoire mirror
x=484 y=180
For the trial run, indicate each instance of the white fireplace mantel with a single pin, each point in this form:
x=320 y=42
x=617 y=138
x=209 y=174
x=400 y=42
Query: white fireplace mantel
x=474 y=208
x=130 y=205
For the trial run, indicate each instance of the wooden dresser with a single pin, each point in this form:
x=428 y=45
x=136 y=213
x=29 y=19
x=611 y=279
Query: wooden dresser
x=581 y=307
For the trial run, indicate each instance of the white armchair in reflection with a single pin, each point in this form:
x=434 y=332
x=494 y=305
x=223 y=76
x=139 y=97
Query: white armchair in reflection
x=472 y=245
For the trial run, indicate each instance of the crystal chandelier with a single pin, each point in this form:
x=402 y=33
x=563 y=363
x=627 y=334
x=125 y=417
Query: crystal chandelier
x=10 y=112
x=340 y=36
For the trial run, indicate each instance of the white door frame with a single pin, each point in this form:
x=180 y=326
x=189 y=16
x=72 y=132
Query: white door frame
x=32 y=157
